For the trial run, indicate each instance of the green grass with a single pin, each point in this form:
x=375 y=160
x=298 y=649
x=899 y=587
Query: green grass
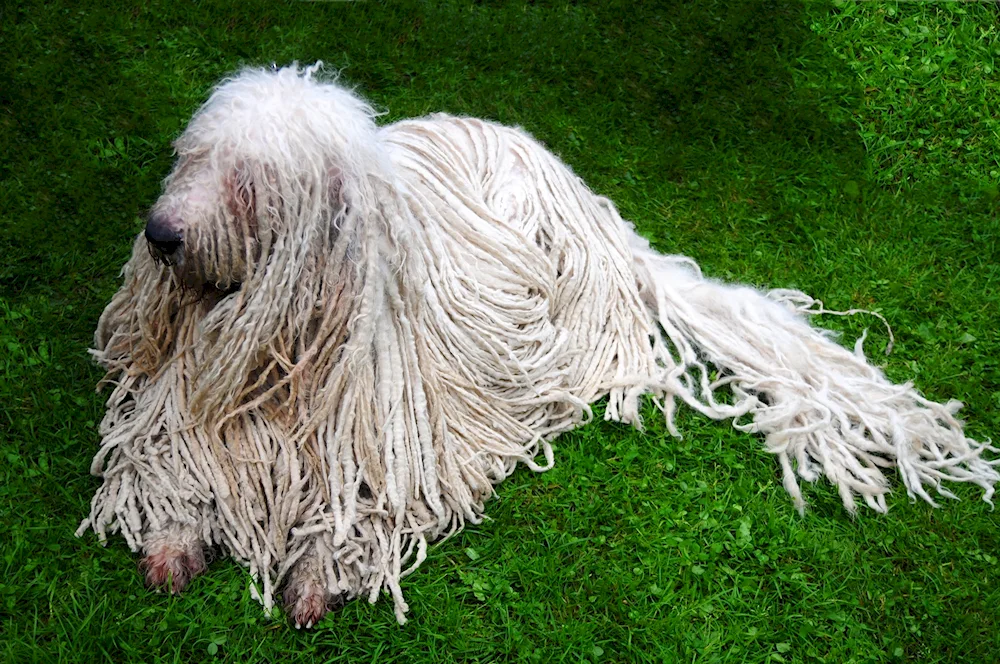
x=848 y=149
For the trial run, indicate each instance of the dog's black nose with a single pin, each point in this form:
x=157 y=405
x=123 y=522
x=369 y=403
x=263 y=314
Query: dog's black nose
x=160 y=233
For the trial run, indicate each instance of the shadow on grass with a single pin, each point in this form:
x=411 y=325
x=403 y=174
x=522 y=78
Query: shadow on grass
x=95 y=96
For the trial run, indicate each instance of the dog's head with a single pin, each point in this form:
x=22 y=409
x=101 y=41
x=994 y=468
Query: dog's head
x=267 y=166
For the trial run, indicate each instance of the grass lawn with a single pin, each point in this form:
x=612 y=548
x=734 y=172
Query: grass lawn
x=846 y=149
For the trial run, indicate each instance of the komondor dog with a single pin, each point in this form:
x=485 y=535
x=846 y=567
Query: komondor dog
x=334 y=339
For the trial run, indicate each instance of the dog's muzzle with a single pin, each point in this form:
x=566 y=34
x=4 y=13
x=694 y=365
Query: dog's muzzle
x=163 y=238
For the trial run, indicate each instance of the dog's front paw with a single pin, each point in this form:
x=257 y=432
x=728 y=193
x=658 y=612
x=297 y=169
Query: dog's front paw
x=173 y=558
x=307 y=599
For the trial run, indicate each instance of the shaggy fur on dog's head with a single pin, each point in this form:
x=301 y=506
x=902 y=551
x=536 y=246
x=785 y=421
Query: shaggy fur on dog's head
x=273 y=177
x=271 y=155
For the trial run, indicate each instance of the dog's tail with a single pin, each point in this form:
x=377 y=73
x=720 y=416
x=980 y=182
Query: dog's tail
x=822 y=409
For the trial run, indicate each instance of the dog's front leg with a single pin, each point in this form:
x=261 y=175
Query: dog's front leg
x=307 y=595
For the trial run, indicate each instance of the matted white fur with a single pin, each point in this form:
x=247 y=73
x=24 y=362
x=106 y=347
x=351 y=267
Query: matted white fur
x=368 y=328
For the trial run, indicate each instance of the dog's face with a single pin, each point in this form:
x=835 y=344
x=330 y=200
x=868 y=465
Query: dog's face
x=205 y=225
x=268 y=160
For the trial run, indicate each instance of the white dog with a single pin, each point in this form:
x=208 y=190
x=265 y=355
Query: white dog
x=333 y=340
